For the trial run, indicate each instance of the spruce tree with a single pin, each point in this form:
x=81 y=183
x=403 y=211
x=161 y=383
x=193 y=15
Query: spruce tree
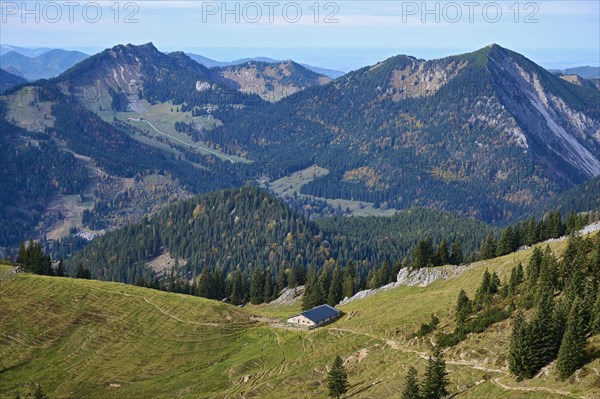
x=488 y=248
x=442 y=255
x=463 y=307
x=595 y=325
x=267 y=289
x=457 y=256
x=542 y=333
x=422 y=254
x=571 y=352
x=411 y=385
x=257 y=286
x=519 y=352
x=506 y=244
x=337 y=379
x=336 y=288
x=435 y=383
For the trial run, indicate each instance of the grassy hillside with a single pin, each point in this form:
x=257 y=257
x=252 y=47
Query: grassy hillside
x=77 y=337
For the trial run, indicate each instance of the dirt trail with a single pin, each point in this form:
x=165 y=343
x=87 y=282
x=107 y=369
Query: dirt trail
x=474 y=365
x=497 y=382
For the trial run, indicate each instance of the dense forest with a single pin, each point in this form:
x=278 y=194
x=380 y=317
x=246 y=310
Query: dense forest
x=32 y=169
x=242 y=230
x=554 y=305
x=244 y=244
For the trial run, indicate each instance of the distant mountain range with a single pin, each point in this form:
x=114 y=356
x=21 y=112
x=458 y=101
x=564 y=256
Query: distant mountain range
x=586 y=72
x=46 y=65
x=210 y=63
x=8 y=80
x=488 y=135
x=28 y=52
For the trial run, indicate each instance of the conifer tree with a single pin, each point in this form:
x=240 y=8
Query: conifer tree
x=422 y=254
x=323 y=285
x=457 y=256
x=257 y=287
x=435 y=383
x=463 y=307
x=442 y=256
x=337 y=379
x=542 y=334
x=335 y=289
x=516 y=278
x=281 y=280
x=519 y=352
x=488 y=248
x=506 y=244
x=571 y=352
x=411 y=385
x=311 y=295
x=267 y=290
x=595 y=327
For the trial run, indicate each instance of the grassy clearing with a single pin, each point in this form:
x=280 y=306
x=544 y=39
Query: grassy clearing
x=81 y=338
x=163 y=117
x=26 y=111
x=289 y=186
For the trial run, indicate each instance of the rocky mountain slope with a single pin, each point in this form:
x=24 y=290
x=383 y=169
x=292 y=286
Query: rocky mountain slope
x=271 y=81
x=491 y=127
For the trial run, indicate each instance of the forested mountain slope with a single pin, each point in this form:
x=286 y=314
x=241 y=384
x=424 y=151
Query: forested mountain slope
x=247 y=229
x=490 y=127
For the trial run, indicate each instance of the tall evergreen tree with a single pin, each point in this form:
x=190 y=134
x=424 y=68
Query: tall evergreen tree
x=267 y=289
x=488 y=248
x=257 y=286
x=411 y=385
x=336 y=288
x=337 y=379
x=507 y=242
x=435 y=383
x=463 y=307
x=457 y=256
x=571 y=352
x=519 y=353
x=442 y=254
x=542 y=333
x=595 y=325
x=422 y=254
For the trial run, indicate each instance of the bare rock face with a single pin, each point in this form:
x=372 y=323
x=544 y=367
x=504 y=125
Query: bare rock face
x=289 y=296
x=420 y=278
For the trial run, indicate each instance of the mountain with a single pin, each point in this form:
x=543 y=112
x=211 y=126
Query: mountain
x=8 y=80
x=271 y=81
x=586 y=72
x=498 y=132
x=210 y=63
x=247 y=228
x=46 y=65
x=69 y=126
x=28 y=52
x=491 y=127
x=578 y=80
x=581 y=198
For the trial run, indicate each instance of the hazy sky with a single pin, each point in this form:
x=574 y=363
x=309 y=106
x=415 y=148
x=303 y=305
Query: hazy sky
x=341 y=34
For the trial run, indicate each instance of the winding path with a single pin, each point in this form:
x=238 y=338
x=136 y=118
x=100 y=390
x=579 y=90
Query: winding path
x=185 y=143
